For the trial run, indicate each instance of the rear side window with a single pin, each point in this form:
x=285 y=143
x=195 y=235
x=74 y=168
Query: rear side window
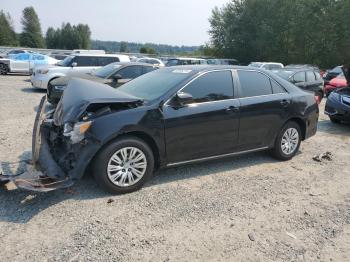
x=254 y=84
x=299 y=77
x=153 y=62
x=275 y=66
x=310 y=76
x=173 y=62
x=212 y=86
x=102 y=61
x=130 y=72
x=86 y=60
x=38 y=57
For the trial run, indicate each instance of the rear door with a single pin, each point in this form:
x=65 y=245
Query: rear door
x=264 y=106
x=208 y=125
x=20 y=63
x=313 y=84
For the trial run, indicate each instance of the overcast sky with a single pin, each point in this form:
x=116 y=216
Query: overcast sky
x=176 y=22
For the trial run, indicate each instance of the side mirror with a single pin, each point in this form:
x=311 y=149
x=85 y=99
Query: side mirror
x=74 y=64
x=117 y=77
x=181 y=99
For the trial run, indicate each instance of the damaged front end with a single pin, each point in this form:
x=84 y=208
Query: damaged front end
x=62 y=146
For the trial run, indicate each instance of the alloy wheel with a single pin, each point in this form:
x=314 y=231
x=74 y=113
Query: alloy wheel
x=290 y=141
x=126 y=166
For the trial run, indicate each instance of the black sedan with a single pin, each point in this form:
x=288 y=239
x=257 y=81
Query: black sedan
x=114 y=74
x=306 y=78
x=168 y=117
x=338 y=105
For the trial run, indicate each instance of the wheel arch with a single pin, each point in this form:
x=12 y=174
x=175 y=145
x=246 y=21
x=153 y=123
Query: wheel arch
x=301 y=123
x=140 y=135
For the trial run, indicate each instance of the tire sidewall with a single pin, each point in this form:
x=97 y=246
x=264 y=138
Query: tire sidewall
x=278 y=150
x=102 y=159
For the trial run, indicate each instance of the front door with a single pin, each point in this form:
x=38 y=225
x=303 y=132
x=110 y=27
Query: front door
x=208 y=125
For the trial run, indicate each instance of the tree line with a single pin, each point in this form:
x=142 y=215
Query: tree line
x=67 y=37
x=149 y=48
x=298 y=31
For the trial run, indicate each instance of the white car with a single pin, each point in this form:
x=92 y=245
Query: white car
x=267 y=65
x=73 y=64
x=150 y=60
x=24 y=62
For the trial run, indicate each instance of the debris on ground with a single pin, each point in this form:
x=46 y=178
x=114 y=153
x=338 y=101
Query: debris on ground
x=251 y=237
x=324 y=156
x=291 y=235
x=109 y=201
x=27 y=199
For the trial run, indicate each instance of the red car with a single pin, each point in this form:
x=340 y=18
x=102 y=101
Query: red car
x=335 y=83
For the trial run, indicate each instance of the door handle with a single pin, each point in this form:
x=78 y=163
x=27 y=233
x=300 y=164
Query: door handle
x=285 y=102
x=232 y=109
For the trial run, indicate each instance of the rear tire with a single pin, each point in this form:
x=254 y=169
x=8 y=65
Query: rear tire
x=124 y=165
x=287 y=142
x=3 y=69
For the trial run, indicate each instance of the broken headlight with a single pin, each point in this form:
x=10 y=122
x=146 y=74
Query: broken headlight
x=76 y=132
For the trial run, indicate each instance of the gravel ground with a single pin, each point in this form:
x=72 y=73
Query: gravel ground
x=247 y=208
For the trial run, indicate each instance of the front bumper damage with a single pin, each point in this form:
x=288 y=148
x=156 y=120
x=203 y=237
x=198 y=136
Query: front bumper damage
x=51 y=176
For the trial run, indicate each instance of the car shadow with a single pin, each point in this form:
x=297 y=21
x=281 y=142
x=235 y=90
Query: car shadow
x=20 y=206
x=33 y=90
x=326 y=126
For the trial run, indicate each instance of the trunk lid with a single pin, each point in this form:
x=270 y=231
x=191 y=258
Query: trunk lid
x=81 y=93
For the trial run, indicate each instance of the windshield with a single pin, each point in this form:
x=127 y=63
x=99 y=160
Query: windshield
x=285 y=74
x=106 y=71
x=155 y=84
x=66 y=61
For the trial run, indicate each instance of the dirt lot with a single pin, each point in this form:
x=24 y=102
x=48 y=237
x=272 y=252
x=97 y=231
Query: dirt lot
x=247 y=208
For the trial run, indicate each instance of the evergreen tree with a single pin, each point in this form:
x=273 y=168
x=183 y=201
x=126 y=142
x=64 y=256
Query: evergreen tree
x=123 y=47
x=51 y=38
x=31 y=35
x=7 y=34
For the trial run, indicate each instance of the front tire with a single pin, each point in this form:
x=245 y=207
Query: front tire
x=124 y=165
x=287 y=142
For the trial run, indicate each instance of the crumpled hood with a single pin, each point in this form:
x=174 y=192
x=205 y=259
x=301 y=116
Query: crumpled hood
x=81 y=93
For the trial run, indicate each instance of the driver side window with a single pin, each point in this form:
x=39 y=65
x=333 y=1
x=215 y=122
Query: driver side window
x=212 y=86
